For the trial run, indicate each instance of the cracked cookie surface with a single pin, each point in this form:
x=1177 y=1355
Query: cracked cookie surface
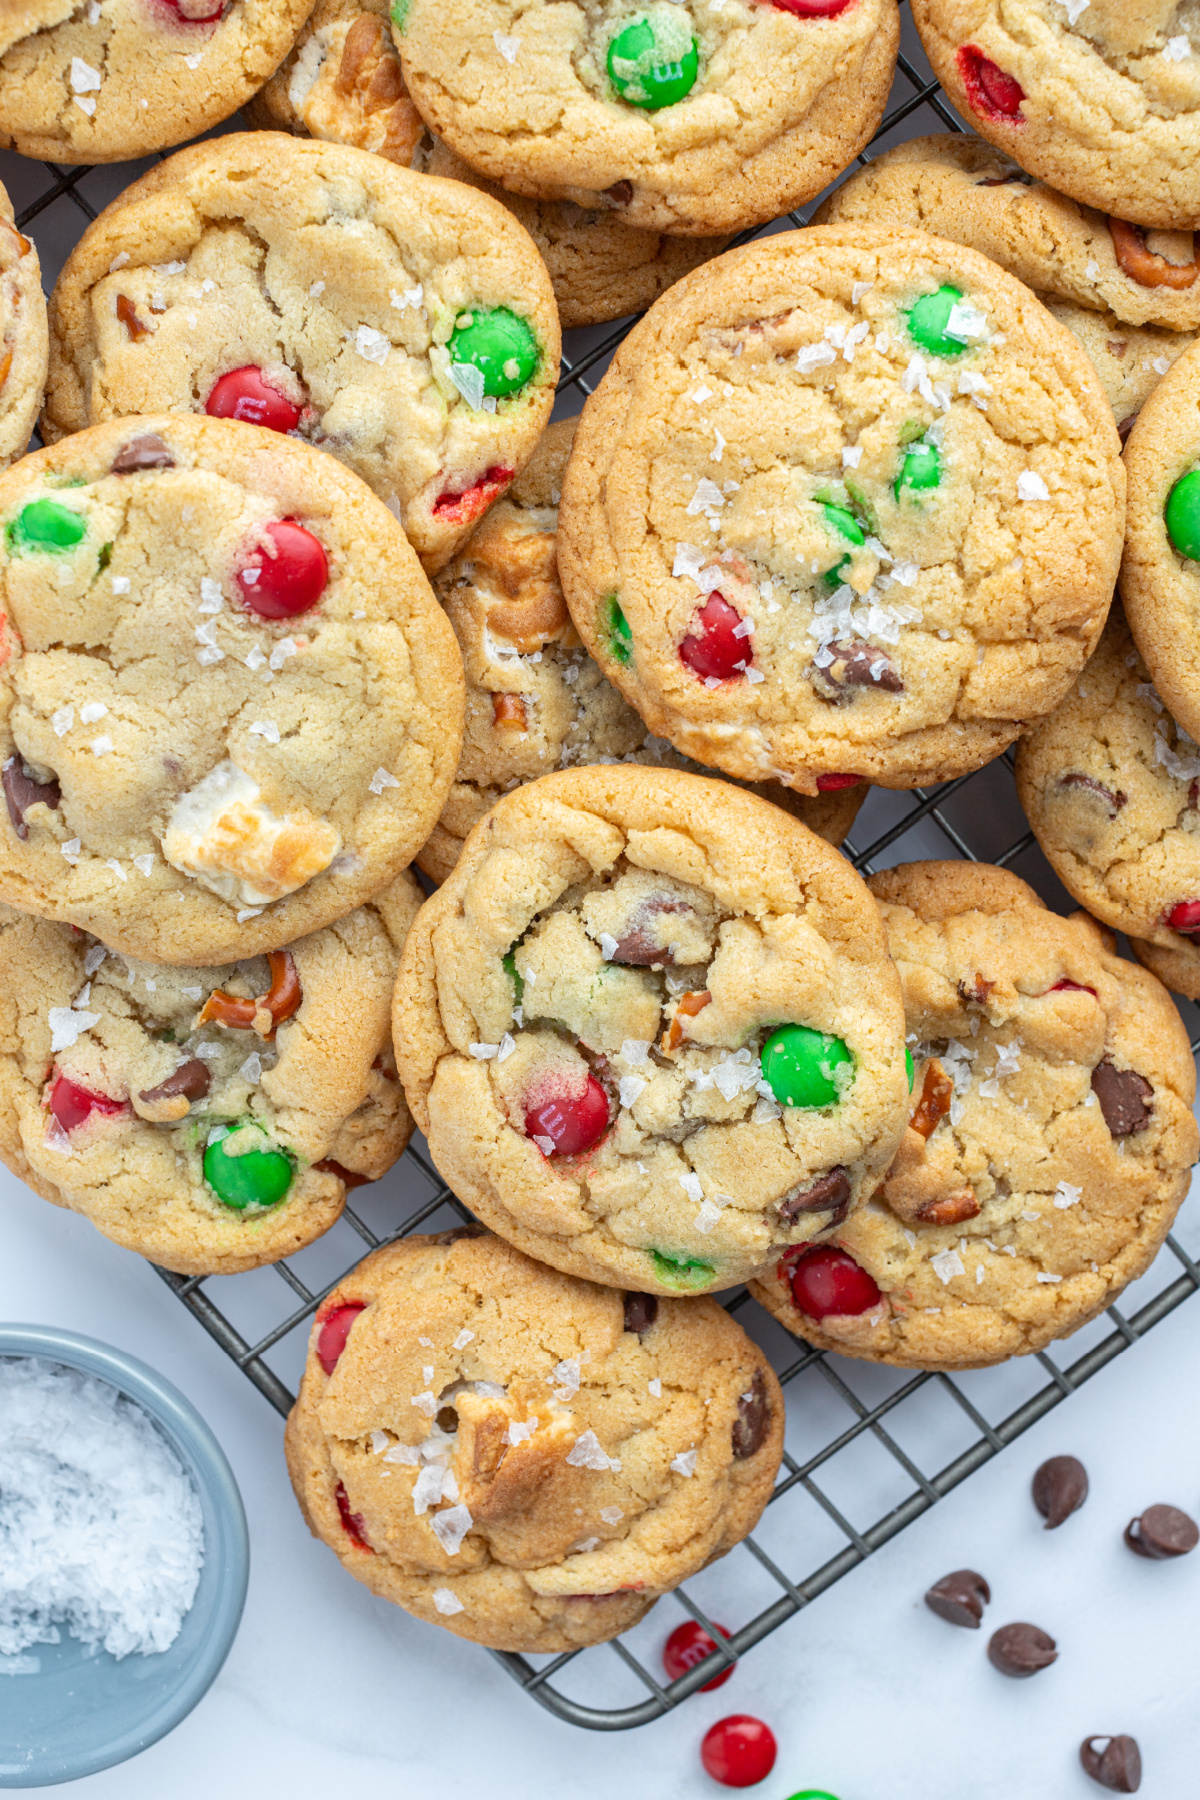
x=23 y=336
x=87 y=81
x=1132 y=299
x=404 y=324
x=210 y=1118
x=1111 y=785
x=343 y=82
x=1049 y=1144
x=650 y=1030
x=847 y=503
x=231 y=706
x=535 y=700
x=523 y=1458
x=1102 y=99
x=663 y=110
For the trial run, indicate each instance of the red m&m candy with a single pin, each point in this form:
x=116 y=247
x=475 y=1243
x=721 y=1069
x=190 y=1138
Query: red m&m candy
x=1185 y=917
x=72 y=1104
x=335 y=1329
x=739 y=1751
x=813 y=9
x=570 y=1122
x=991 y=91
x=711 y=650
x=291 y=581
x=196 y=12
x=688 y=1645
x=245 y=394
x=827 y=1280
x=829 y=784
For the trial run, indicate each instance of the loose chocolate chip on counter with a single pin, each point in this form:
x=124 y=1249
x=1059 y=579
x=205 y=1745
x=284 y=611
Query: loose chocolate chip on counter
x=641 y=1310
x=1162 y=1532
x=860 y=665
x=1126 y=1098
x=145 y=452
x=1060 y=1488
x=1118 y=1766
x=190 y=1081
x=620 y=193
x=960 y=1598
x=829 y=1193
x=1021 y=1650
x=754 y=1415
x=1113 y=801
x=21 y=791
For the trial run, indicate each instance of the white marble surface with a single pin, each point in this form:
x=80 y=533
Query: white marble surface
x=868 y=1693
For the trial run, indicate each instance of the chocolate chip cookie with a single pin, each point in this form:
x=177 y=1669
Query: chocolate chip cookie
x=1101 y=98
x=209 y=1118
x=343 y=82
x=1049 y=1145
x=1111 y=785
x=23 y=337
x=1132 y=299
x=521 y=1457
x=109 y=80
x=650 y=1029
x=1160 y=574
x=404 y=324
x=700 y=117
x=536 y=701
x=230 y=706
x=846 y=505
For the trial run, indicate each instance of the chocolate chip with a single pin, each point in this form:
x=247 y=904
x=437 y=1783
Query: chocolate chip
x=21 y=792
x=620 y=193
x=637 y=946
x=145 y=452
x=828 y=1193
x=959 y=1598
x=1162 y=1532
x=1021 y=1650
x=191 y=1081
x=641 y=1310
x=1126 y=1098
x=1060 y=1488
x=349 y=1178
x=754 y=1415
x=1117 y=1767
x=1126 y=426
x=858 y=665
x=1004 y=180
x=1113 y=800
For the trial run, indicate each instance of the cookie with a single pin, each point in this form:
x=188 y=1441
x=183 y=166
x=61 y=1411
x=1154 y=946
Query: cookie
x=404 y=324
x=1049 y=1145
x=1100 y=99
x=111 y=80
x=23 y=336
x=649 y=1028
x=846 y=505
x=1133 y=302
x=1111 y=786
x=526 y=1459
x=209 y=1118
x=535 y=700
x=342 y=81
x=666 y=111
x=230 y=706
x=1160 y=573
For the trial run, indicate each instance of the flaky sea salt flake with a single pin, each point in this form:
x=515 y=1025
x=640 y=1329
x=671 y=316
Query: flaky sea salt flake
x=380 y=780
x=451 y=1527
x=946 y=1265
x=469 y=382
x=685 y=1462
x=507 y=46
x=1065 y=1195
x=1030 y=486
x=587 y=1453
x=447 y=1603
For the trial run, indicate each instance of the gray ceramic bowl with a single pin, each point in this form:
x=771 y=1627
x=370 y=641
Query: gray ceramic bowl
x=84 y=1710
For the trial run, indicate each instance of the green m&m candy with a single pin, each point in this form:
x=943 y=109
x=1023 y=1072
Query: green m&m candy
x=928 y=319
x=803 y=1067
x=844 y=525
x=497 y=343
x=921 y=468
x=682 y=1271
x=1183 y=515
x=47 y=525
x=654 y=62
x=243 y=1168
x=514 y=974
x=615 y=627
x=909 y=1068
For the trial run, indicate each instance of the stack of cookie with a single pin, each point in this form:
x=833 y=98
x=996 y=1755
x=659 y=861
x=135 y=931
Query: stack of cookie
x=847 y=507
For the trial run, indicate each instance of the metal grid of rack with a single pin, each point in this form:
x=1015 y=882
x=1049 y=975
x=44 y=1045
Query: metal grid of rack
x=868 y=1450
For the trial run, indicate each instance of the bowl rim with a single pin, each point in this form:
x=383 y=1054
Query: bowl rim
x=226 y=1537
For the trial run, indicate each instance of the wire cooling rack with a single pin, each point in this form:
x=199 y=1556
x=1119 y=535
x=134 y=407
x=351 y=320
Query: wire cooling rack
x=868 y=1449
